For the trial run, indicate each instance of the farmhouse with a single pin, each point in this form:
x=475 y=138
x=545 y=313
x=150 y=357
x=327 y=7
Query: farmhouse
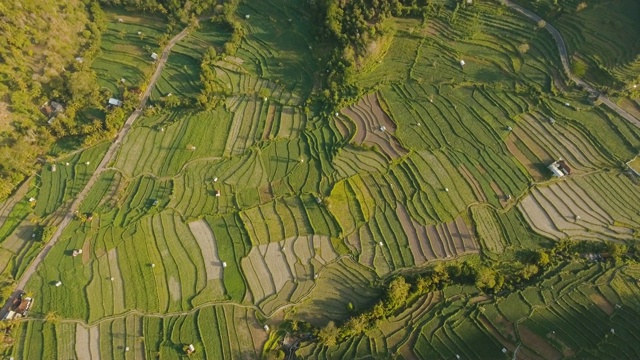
x=559 y=168
x=154 y=56
x=115 y=102
x=19 y=308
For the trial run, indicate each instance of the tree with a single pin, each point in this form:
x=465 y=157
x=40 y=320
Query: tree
x=486 y=278
x=541 y=258
x=523 y=48
x=529 y=271
x=397 y=293
x=328 y=335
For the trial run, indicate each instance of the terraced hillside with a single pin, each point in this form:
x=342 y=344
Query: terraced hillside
x=221 y=227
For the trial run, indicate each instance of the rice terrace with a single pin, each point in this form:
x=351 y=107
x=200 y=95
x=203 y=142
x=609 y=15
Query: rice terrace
x=321 y=179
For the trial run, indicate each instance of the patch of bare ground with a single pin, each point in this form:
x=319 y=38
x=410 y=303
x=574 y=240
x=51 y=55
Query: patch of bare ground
x=531 y=167
x=82 y=343
x=477 y=189
x=118 y=289
x=450 y=239
x=502 y=197
x=269 y=122
x=538 y=219
x=602 y=303
x=270 y=267
x=174 y=288
x=208 y=247
x=87 y=342
x=537 y=344
x=374 y=127
x=499 y=334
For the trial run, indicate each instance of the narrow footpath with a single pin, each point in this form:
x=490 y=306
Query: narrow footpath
x=564 y=58
x=22 y=281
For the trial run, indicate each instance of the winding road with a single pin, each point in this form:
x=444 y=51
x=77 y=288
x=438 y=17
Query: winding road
x=564 y=58
x=22 y=281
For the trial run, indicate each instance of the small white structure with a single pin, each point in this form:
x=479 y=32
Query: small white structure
x=247 y=16
x=446 y=189
x=112 y=278
x=380 y=243
x=76 y=252
x=79 y=59
x=115 y=102
x=217 y=193
x=215 y=179
x=126 y=349
x=559 y=168
x=509 y=128
x=265 y=98
x=32 y=199
x=88 y=162
x=462 y=63
x=191 y=349
x=33 y=235
x=567 y=104
x=613 y=331
x=154 y=56
x=120 y=20
x=139 y=32
x=578 y=218
x=337 y=114
x=266 y=327
x=383 y=128
x=58 y=283
x=552 y=120
x=301 y=160
x=224 y=264
x=122 y=80
x=418 y=124
x=504 y=350
x=67 y=164
x=153 y=265
x=53 y=168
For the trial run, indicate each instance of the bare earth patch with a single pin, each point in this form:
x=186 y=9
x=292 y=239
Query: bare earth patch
x=118 y=290
x=208 y=247
x=174 y=289
x=269 y=267
x=531 y=168
x=602 y=303
x=438 y=241
x=538 y=344
x=374 y=127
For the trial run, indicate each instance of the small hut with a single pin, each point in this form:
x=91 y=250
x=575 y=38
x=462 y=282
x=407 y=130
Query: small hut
x=76 y=252
x=58 y=283
x=190 y=349
x=462 y=63
x=115 y=102
x=217 y=193
x=154 y=56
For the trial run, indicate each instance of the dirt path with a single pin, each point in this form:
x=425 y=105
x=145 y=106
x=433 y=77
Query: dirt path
x=564 y=58
x=94 y=177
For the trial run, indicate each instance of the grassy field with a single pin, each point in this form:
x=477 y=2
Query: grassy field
x=208 y=225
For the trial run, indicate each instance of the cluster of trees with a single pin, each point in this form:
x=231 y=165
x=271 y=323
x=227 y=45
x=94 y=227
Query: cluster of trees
x=180 y=10
x=39 y=41
x=349 y=27
x=489 y=277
